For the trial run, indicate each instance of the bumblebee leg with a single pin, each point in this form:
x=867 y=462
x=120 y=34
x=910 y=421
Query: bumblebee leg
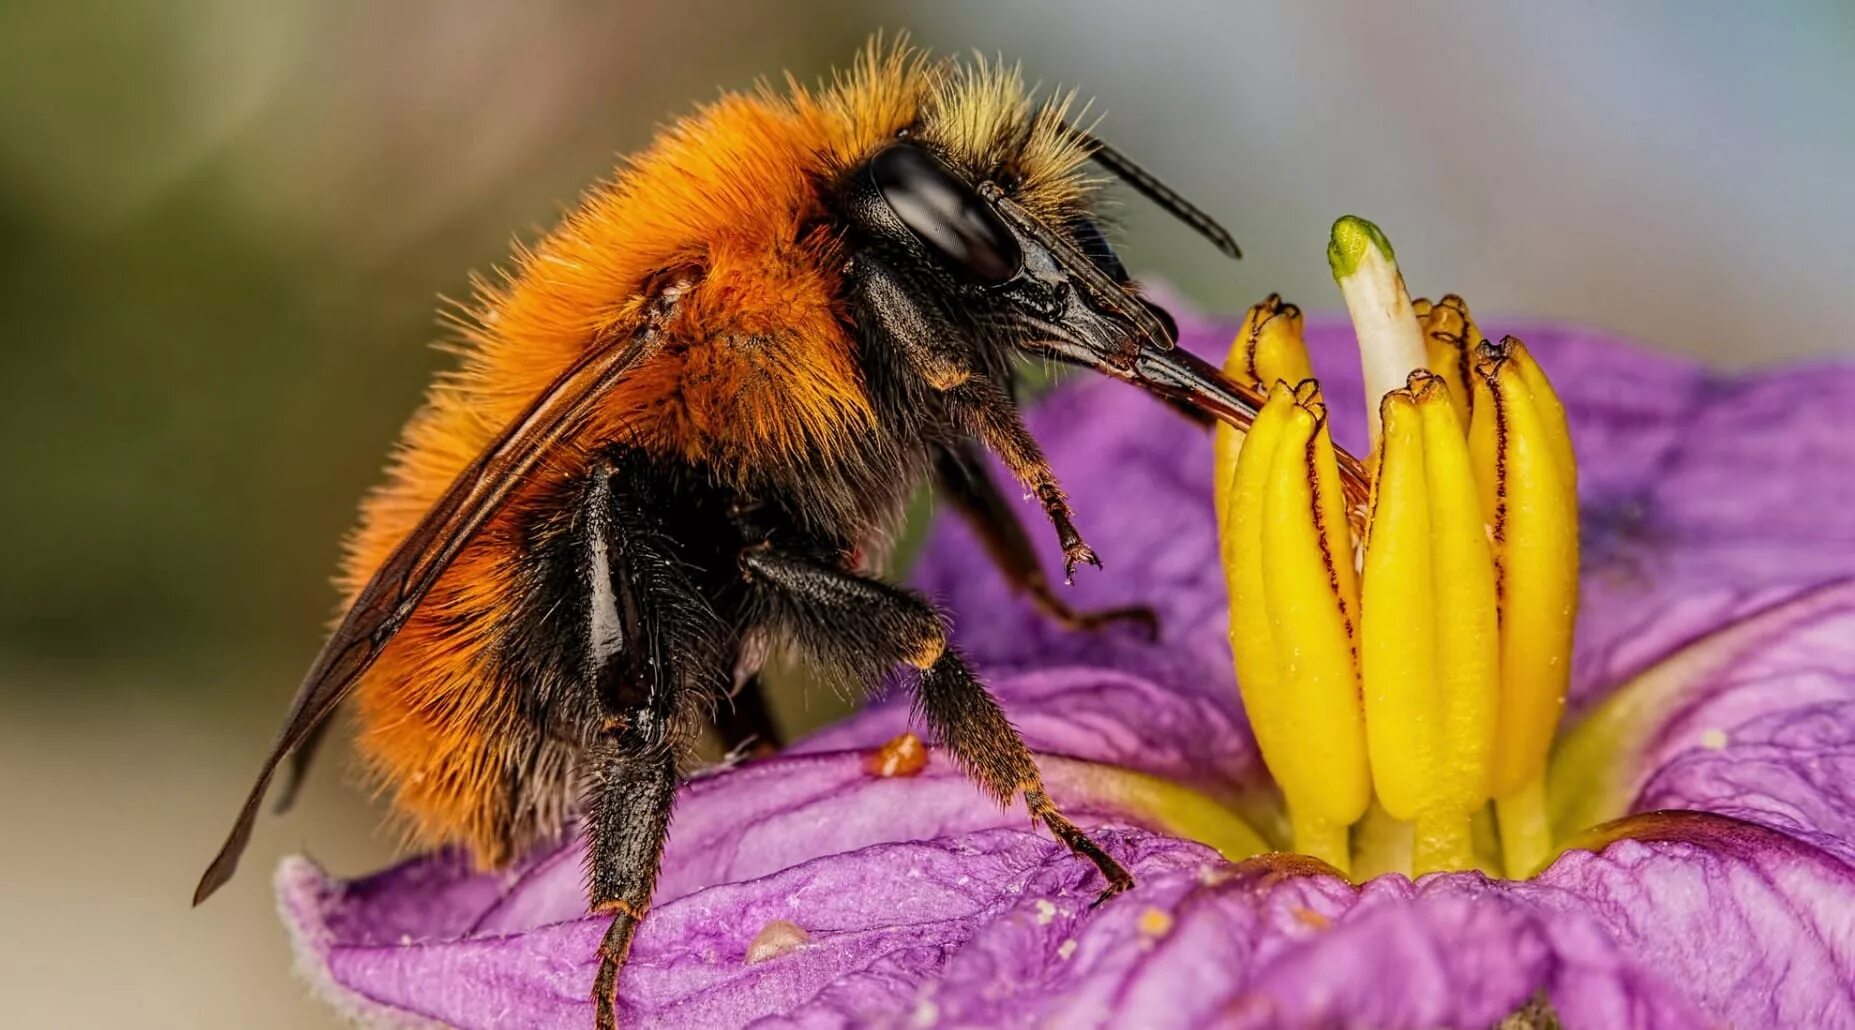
x=970 y=724
x=644 y=662
x=633 y=785
x=848 y=622
x=978 y=402
x=965 y=483
x=990 y=414
x=840 y=615
x=744 y=721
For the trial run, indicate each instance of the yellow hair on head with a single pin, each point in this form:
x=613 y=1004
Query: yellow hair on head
x=991 y=122
x=880 y=92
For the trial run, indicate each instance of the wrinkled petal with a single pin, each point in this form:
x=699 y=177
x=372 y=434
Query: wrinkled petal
x=889 y=912
x=1704 y=508
x=753 y=821
x=981 y=922
x=1792 y=770
x=1755 y=927
x=1629 y=937
x=1754 y=720
x=1713 y=922
x=778 y=813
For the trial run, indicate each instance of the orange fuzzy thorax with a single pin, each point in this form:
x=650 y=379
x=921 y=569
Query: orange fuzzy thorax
x=757 y=366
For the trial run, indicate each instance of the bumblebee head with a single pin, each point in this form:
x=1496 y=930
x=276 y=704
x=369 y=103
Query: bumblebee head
x=979 y=200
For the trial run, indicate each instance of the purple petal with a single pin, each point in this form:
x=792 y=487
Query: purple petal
x=1755 y=720
x=1458 y=950
x=1699 y=511
x=1767 y=734
x=1708 y=923
x=380 y=937
x=779 y=813
x=1793 y=770
x=986 y=923
x=890 y=912
x=1756 y=927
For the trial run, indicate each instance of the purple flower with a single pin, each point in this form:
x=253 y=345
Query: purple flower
x=1705 y=771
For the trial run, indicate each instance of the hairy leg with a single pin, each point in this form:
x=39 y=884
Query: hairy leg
x=647 y=658
x=963 y=481
x=976 y=396
x=869 y=625
x=631 y=788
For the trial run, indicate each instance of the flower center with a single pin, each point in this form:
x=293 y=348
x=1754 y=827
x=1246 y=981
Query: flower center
x=1406 y=658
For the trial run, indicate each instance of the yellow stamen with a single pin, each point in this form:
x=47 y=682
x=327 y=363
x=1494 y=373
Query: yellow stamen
x=1526 y=828
x=1294 y=603
x=1430 y=644
x=1442 y=843
x=1430 y=678
x=1381 y=844
x=1528 y=483
x=1269 y=348
x=1449 y=338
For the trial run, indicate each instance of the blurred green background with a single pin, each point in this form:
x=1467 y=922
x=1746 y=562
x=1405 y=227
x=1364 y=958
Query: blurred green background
x=224 y=226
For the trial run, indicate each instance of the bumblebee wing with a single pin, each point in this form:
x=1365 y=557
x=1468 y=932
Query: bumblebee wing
x=298 y=768
x=394 y=592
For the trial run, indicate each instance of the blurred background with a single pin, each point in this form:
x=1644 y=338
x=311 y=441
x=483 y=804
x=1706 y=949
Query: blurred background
x=224 y=226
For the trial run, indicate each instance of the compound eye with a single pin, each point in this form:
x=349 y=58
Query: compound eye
x=1095 y=246
x=945 y=214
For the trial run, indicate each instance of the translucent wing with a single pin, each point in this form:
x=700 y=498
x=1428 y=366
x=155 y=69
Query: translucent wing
x=394 y=592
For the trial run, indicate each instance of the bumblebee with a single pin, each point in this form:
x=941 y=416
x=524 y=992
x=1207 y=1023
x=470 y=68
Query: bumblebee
x=683 y=428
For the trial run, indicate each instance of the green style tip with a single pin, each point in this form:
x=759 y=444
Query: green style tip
x=1347 y=246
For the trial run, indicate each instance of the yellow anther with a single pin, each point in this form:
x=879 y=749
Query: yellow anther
x=1449 y=338
x=1429 y=637
x=1269 y=348
x=1545 y=399
x=1527 y=479
x=1294 y=609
